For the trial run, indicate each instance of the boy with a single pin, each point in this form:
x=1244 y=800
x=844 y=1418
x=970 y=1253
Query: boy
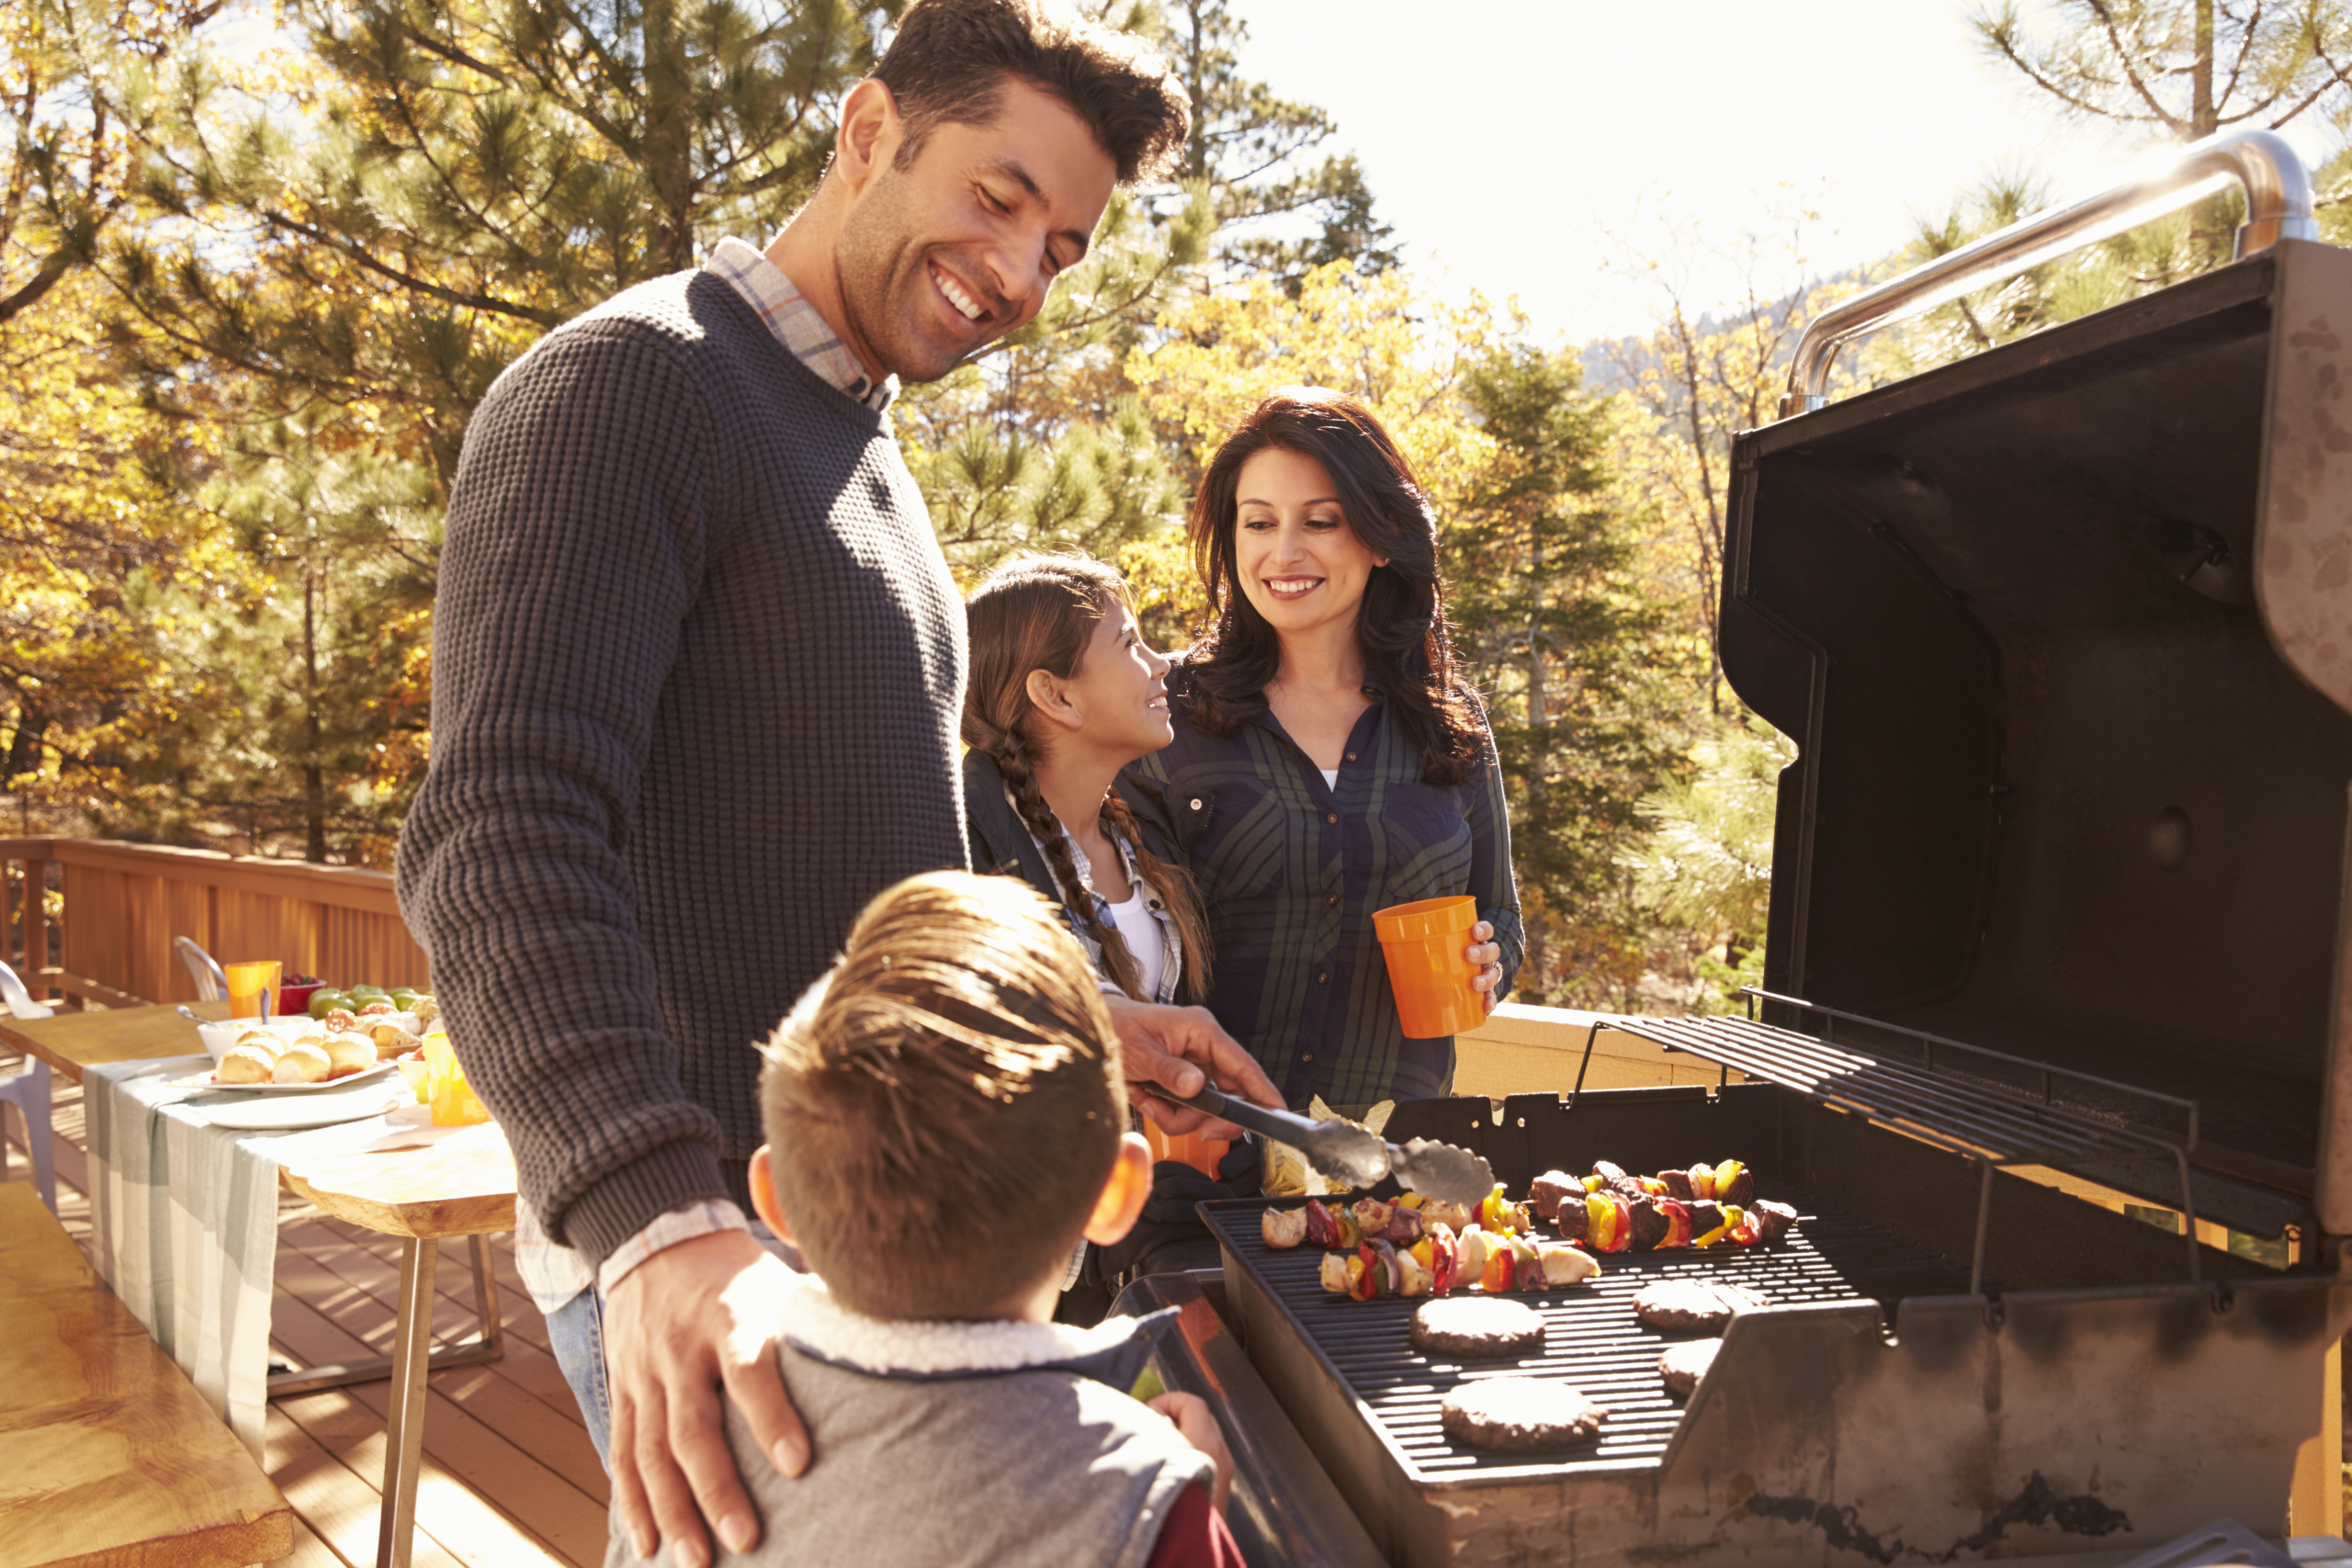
x=946 y=1117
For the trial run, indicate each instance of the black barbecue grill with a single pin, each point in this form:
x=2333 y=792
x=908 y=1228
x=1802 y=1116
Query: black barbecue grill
x=2064 y=636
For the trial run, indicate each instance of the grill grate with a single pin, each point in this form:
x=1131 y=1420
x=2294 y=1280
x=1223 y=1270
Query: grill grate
x=1591 y=1336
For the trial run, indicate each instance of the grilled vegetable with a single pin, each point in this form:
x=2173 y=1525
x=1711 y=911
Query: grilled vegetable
x=1567 y=1265
x=1502 y=1265
x=1412 y=1275
x=1609 y=1223
x=1339 y=1272
x=1470 y=1256
x=1497 y=1215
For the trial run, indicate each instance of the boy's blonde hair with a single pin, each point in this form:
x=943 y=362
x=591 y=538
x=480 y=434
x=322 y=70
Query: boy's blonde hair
x=944 y=1106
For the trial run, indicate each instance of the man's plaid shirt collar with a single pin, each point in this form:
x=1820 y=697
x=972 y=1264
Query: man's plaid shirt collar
x=796 y=322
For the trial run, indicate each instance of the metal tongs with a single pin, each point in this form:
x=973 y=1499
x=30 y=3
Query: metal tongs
x=1353 y=1157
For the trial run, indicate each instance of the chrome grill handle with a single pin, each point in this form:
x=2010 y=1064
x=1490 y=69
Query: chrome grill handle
x=2278 y=207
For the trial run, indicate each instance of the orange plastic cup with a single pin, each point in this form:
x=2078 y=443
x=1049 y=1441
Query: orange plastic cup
x=1423 y=943
x=253 y=987
x=1186 y=1148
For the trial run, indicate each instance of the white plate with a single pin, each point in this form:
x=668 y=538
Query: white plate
x=289 y=1115
x=204 y=1081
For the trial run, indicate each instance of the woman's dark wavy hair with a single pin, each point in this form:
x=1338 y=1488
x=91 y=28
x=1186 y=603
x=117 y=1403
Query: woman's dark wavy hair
x=1400 y=624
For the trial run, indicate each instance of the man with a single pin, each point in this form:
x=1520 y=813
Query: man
x=698 y=665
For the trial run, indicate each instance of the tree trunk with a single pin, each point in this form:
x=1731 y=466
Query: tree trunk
x=315 y=779
x=668 y=136
x=2203 y=119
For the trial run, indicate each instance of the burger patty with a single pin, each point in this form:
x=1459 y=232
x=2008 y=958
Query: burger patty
x=1683 y=1365
x=1682 y=1305
x=1477 y=1325
x=1512 y=1414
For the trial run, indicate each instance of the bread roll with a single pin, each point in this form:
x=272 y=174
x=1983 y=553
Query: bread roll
x=301 y=1064
x=263 y=1039
x=391 y=1041
x=348 y=1054
x=244 y=1063
x=377 y=1010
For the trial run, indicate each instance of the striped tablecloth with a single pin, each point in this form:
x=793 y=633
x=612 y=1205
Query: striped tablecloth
x=184 y=1216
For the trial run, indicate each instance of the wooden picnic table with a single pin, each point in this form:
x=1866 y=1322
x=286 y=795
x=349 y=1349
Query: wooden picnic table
x=422 y=1195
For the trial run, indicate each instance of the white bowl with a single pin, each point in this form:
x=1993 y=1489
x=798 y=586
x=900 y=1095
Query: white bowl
x=218 y=1037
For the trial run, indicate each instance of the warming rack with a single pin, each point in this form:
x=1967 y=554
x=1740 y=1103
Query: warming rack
x=1950 y=1097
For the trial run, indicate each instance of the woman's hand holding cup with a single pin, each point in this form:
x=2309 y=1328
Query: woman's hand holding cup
x=1487 y=953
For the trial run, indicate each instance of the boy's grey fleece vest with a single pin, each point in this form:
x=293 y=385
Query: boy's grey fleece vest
x=1036 y=1466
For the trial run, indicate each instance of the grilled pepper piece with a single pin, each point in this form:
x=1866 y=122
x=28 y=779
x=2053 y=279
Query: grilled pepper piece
x=1609 y=1223
x=1502 y=1267
x=1497 y=1215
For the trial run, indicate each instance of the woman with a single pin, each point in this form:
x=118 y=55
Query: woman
x=1329 y=759
x=1063 y=693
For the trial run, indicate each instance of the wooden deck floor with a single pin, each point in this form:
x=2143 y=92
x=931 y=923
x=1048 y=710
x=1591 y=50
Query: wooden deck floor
x=509 y=1476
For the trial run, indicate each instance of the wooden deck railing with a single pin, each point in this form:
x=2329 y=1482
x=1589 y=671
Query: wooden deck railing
x=124 y=903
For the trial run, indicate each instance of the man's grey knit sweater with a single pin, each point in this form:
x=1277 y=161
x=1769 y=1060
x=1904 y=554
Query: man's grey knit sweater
x=697 y=666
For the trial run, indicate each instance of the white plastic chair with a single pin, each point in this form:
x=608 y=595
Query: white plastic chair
x=28 y=1090
x=211 y=985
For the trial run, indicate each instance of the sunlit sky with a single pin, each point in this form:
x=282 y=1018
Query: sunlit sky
x=1508 y=140
x=1521 y=147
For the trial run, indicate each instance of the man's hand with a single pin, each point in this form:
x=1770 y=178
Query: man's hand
x=689 y=1318
x=1196 y=1424
x=1180 y=1049
x=1487 y=953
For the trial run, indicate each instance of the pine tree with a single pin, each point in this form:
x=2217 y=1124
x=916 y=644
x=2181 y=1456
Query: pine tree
x=303 y=708
x=457 y=178
x=90 y=480
x=1260 y=155
x=2186 y=70
x=1583 y=676
x=2188 y=67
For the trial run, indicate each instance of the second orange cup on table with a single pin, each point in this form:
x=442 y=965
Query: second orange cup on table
x=1423 y=943
x=253 y=987
x=446 y=1093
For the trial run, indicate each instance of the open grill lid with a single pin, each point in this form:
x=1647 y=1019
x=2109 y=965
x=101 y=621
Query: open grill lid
x=2063 y=634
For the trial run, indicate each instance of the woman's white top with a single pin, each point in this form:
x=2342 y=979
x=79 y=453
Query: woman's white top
x=1139 y=928
x=1330 y=777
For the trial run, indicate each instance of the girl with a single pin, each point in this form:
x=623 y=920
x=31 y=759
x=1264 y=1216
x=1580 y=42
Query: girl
x=1063 y=693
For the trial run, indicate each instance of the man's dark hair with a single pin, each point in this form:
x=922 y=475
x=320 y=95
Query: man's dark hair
x=950 y=59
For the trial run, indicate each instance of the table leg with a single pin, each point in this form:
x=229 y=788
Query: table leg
x=487 y=1345
x=404 y=1434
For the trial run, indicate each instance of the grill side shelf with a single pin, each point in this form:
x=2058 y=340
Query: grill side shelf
x=1961 y=1107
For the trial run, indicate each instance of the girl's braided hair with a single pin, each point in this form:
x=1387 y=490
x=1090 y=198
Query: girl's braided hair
x=1038 y=612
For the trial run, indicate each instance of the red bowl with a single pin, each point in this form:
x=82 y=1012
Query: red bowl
x=295 y=1000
